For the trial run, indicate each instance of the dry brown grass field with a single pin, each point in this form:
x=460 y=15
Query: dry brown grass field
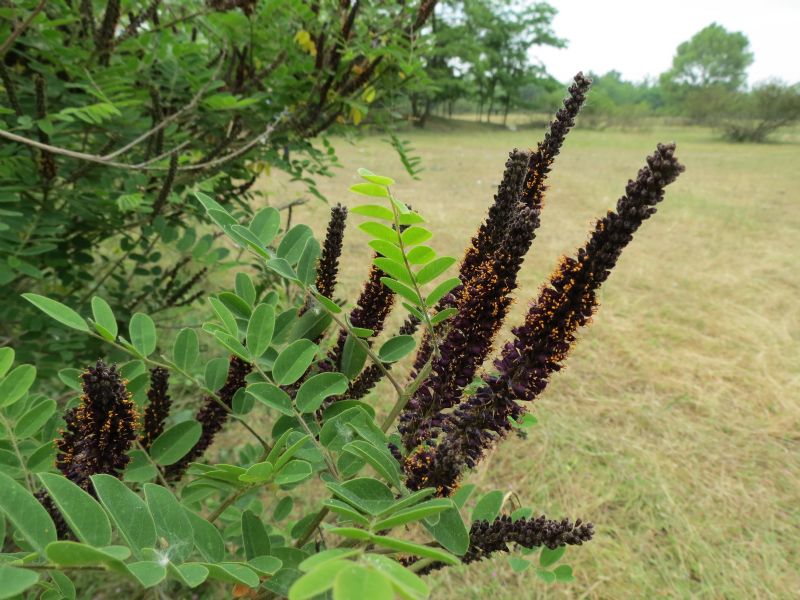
x=676 y=426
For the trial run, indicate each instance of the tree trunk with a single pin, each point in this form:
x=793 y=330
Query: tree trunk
x=491 y=102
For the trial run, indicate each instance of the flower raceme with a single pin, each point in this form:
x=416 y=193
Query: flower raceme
x=487 y=538
x=540 y=345
x=97 y=434
x=213 y=415
x=328 y=267
x=100 y=430
x=450 y=414
x=488 y=276
x=157 y=409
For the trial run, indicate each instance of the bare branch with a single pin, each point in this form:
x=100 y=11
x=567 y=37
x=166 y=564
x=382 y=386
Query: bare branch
x=173 y=116
x=20 y=28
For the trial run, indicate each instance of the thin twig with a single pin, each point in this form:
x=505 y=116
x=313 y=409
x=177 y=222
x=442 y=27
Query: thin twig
x=20 y=28
x=260 y=138
x=194 y=101
x=159 y=474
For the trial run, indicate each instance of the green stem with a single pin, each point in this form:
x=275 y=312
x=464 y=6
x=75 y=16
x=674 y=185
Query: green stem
x=159 y=474
x=324 y=451
x=422 y=305
x=311 y=528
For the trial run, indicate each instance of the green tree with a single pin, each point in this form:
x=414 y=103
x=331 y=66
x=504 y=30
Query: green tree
x=759 y=113
x=713 y=57
x=479 y=49
x=112 y=112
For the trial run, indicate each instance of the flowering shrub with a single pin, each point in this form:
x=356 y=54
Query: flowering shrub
x=332 y=499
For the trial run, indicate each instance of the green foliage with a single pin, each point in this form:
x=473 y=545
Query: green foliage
x=111 y=117
x=760 y=112
x=479 y=49
x=713 y=56
x=230 y=523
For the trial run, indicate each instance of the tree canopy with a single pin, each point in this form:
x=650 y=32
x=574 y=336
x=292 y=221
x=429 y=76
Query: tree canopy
x=713 y=56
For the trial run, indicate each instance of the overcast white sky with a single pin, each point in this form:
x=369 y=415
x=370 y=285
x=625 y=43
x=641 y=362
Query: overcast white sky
x=639 y=38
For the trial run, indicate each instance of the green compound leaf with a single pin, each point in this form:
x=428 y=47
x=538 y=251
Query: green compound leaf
x=379 y=231
x=254 y=536
x=441 y=290
x=416 y=549
x=6 y=360
x=207 y=538
x=450 y=531
x=104 y=317
x=293 y=243
x=190 y=574
x=375 y=178
x=26 y=513
x=354 y=356
x=260 y=329
x=272 y=396
x=407 y=584
x=415 y=235
x=128 y=511
x=85 y=517
x=380 y=460
x=282 y=268
x=419 y=255
x=174 y=443
x=396 y=348
x=293 y=361
x=186 y=349
x=366 y=494
x=307 y=263
x=316 y=389
x=563 y=573
x=294 y=472
x=15 y=581
x=518 y=565
x=388 y=249
x=60 y=312
x=356 y=582
x=265 y=224
x=549 y=557
x=172 y=524
x=394 y=269
x=148 y=573
x=488 y=507
x=373 y=190
x=373 y=210
x=415 y=513
x=75 y=554
x=143 y=334
x=16 y=384
x=434 y=268
x=402 y=290
x=317 y=581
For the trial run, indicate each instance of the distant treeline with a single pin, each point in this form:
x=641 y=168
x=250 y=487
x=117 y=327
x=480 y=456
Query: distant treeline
x=477 y=61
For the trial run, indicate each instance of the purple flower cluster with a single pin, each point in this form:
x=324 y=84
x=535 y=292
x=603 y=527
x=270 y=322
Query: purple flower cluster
x=485 y=538
x=488 y=276
x=97 y=434
x=100 y=430
x=157 y=409
x=543 y=341
x=213 y=415
x=328 y=268
x=372 y=307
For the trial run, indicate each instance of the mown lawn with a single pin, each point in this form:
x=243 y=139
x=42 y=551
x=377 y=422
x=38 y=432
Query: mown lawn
x=675 y=428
